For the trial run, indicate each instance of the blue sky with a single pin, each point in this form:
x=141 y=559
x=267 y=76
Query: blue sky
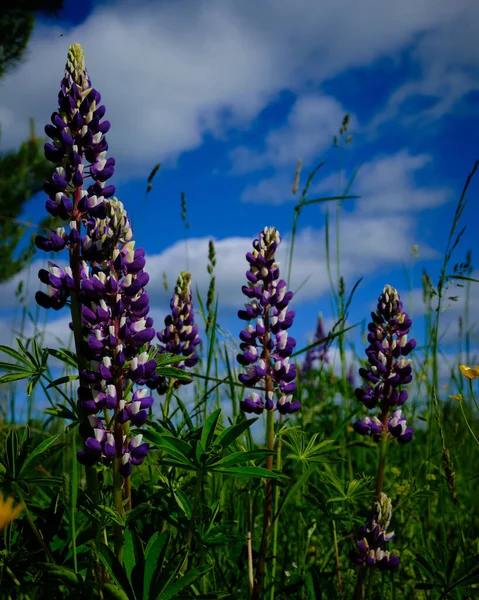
x=228 y=95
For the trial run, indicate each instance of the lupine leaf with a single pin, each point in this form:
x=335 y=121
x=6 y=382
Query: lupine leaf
x=250 y=472
x=14 y=354
x=66 y=356
x=38 y=453
x=178 y=448
x=172 y=591
x=229 y=435
x=209 y=427
x=239 y=457
x=62 y=380
x=154 y=558
x=115 y=569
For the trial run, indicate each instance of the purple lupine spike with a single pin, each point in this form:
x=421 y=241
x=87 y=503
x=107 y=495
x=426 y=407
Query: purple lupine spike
x=373 y=536
x=317 y=354
x=180 y=335
x=388 y=369
x=266 y=347
x=105 y=277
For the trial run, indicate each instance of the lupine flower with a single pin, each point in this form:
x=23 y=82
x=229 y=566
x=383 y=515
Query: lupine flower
x=266 y=347
x=318 y=353
x=373 y=536
x=8 y=512
x=388 y=369
x=105 y=278
x=469 y=372
x=180 y=336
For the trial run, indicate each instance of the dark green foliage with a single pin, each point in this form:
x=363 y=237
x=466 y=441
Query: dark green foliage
x=22 y=173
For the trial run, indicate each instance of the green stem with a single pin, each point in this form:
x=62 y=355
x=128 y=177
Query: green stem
x=467 y=422
x=338 y=564
x=73 y=507
x=196 y=506
x=268 y=509
x=276 y=521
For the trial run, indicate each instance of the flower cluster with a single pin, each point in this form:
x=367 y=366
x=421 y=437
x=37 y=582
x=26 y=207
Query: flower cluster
x=388 y=369
x=396 y=427
x=318 y=353
x=266 y=347
x=180 y=336
x=105 y=280
x=373 y=536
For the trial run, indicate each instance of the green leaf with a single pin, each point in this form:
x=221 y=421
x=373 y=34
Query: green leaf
x=37 y=453
x=113 y=592
x=250 y=472
x=132 y=556
x=174 y=372
x=63 y=574
x=11 y=450
x=190 y=577
x=241 y=457
x=15 y=377
x=115 y=569
x=229 y=435
x=66 y=356
x=62 y=412
x=180 y=449
x=62 y=380
x=209 y=429
x=14 y=354
x=154 y=558
x=4 y=366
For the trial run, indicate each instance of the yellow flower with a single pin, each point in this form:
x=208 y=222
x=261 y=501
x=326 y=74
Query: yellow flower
x=469 y=372
x=457 y=397
x=7 y=511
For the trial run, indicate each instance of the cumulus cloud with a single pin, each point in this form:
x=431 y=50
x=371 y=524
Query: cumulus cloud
x=386 y=184
x=309 y=129
x=172 y=71
x=447 y=57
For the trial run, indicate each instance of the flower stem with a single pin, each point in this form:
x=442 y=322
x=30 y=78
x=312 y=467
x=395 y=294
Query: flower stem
x=268 y=510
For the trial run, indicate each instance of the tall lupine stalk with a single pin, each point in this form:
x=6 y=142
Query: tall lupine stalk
x=180 y=335
x=104 y=284
x=388 y=370
x=266 y=349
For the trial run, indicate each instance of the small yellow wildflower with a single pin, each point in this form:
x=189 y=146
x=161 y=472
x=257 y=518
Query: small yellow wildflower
x=7 y=511
x=457 y=397
x=469 y=372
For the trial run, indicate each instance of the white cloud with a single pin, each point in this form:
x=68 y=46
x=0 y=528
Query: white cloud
x=448 y=57
x=386 y=184
x=310 y=127
x=171 y=71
